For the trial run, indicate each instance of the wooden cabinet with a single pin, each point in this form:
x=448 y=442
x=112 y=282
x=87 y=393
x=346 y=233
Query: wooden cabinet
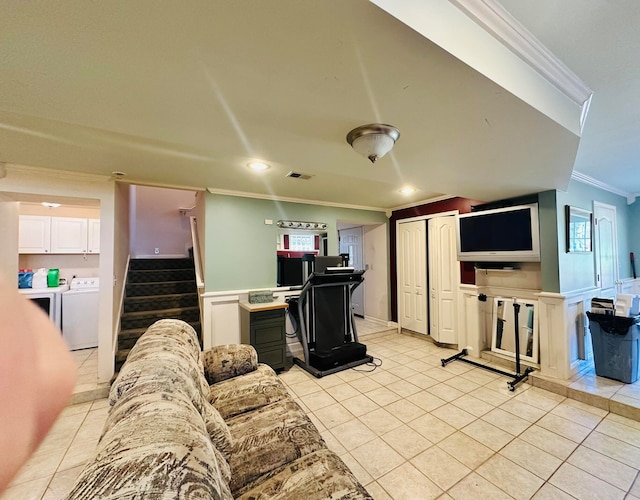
x=263 y=326
x=34 y=234
x=58 y=235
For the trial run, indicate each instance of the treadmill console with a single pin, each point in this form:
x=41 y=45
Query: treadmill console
x=337 y=270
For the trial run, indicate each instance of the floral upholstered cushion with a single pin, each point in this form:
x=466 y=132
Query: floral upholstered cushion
x=268 y=438
x=178 y=330
x=157 y=371
x=227 y=361
x=218 y=430
x=241 y=394
x=223 y=465
x=318 y=476
x=155 y=446
x=150 y=345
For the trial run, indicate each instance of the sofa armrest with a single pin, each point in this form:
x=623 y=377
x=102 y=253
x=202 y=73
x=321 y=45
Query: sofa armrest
x=223 y=362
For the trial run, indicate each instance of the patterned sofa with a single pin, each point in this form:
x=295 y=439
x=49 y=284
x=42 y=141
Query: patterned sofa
x=214 y=425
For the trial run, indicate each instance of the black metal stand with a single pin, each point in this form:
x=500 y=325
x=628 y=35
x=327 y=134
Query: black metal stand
x=517 y=377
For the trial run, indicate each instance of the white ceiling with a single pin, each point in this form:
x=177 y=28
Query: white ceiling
x=600 y=41
x=187 y=93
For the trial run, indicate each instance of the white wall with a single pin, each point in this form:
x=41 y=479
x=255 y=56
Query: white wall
x=157 y=223
x=9 y=232
x=121 y=249
x=82 y=266
x=376 y=256
x=63 y=211
x=201 y=224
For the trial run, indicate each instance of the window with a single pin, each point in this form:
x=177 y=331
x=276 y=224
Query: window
x=301 y=242
x=578 y=229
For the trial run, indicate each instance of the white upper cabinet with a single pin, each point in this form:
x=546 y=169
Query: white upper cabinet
x=68 y=235
x=58 y=235
x=93 y=238
x=34 y=234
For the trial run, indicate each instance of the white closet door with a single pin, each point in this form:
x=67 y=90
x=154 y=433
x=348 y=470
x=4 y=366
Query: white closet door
x=412 y=276
x=444 y=276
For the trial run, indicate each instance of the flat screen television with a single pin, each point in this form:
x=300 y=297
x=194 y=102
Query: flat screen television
x=508 y=234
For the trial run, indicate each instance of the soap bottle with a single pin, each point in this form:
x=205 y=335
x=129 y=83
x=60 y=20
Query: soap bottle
x=53 y=277
x=39 y=278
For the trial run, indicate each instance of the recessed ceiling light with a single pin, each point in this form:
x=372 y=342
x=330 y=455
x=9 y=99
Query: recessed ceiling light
x=50 y=205
x=408 y=190
x=118 y=175
x=258 y=165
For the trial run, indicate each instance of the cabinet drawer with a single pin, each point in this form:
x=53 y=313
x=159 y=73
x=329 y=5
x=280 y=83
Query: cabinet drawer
x=270 y=315
x=265 y=333
x=274 y=357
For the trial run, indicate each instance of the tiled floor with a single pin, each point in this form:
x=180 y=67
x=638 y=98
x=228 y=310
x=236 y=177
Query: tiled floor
x=412 y=429
x=87 y=387
x=605 y=393
x=53 y=468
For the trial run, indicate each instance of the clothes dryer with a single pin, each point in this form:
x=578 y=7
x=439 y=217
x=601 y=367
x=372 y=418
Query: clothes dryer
x=80 y=306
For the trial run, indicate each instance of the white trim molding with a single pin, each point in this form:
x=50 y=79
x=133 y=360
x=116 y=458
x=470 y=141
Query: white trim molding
x=483 y=35
x=498 y=22
x=262 y=196
x=428 y=201
x=585 y=179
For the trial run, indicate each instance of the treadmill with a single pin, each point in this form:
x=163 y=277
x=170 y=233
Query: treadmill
x=327 y=326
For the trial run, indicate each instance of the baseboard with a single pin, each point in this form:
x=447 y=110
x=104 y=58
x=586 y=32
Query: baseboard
x=382 y=322
x=163 y=256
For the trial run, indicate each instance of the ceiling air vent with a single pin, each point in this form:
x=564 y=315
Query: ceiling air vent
x=298 y=175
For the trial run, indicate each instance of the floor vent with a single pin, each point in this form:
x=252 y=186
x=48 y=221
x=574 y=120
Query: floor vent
x=298 y=175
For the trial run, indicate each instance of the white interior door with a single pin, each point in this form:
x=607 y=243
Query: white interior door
x=351 y=243
x=444 y=276
x=412 y=276
x=606 y=248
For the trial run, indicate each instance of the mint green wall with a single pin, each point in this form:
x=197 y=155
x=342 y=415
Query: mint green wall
x=241 y=248
x=578 y=270
x=547 y=210
x=634 y=232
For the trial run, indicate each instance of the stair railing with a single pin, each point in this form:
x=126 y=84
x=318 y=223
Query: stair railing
x=196 y=252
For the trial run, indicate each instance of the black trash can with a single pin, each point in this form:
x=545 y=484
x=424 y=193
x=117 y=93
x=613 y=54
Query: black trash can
x=616 y=344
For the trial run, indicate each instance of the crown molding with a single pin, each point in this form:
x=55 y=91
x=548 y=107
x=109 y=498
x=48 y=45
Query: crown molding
x=500 y=24
x=163 y=185
x=585 y=179
x=423 y=202
x=260 y=196
x=55 y=173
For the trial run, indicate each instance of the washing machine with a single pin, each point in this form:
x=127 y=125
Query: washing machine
x=49 y=300
x=80 y=305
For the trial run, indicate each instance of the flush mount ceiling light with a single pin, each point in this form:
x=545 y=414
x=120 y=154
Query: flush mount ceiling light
x=50 y=205
x=258 y=165
x=373 y=141
x=407 y=190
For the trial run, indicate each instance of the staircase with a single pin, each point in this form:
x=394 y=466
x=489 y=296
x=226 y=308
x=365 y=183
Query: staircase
x=156 y=289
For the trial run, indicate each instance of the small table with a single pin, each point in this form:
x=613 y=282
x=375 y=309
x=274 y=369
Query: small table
x=263 y=326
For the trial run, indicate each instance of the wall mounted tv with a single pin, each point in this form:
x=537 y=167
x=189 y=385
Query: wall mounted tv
x=508 y=234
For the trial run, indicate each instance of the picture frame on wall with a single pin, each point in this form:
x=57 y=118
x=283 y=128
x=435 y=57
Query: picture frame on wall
x=579 y=230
